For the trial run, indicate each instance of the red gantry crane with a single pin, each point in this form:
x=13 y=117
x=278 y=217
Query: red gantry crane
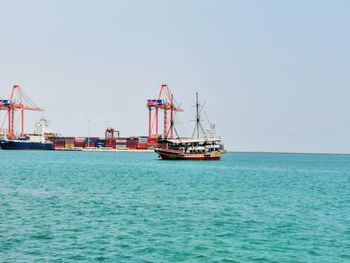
x=18 y=101
x=110 y=132
x=166 y=103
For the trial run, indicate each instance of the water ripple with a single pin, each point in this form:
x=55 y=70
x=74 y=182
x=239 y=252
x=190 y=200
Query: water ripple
x=124 y=207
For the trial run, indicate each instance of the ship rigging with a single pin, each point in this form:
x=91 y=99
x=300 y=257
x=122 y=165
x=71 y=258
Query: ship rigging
x=195 y=148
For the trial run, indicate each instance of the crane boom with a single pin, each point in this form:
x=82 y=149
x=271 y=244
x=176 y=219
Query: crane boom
x=17 y=101
x=165 y=101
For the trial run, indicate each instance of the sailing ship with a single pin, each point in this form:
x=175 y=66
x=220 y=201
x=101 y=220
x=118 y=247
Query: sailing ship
x=207 y=147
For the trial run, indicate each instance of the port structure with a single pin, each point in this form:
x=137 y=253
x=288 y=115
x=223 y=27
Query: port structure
x=110 y=133
x=164 y=102
x=18 y=101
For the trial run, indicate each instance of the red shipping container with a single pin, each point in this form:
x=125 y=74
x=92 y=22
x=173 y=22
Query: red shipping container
x=110 y=145
x=142 y=146
x=79 y=144
x=132 y=148
x=111 y=141
x=90 y=144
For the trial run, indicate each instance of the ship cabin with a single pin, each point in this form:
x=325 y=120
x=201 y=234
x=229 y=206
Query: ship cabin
x=193 y=146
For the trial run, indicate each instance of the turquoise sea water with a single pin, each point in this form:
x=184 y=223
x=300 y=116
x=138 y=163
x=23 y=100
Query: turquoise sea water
x=131 y=207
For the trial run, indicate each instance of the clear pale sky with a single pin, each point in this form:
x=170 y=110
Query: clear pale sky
x=275 y=74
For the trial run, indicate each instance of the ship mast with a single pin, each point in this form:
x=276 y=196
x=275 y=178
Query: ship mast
x=198 y=119
x=198 y=127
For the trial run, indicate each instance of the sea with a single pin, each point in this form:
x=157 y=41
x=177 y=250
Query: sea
x=132 y=207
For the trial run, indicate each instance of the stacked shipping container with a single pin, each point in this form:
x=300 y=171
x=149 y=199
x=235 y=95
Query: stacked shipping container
x=79 y=142
x=116 y=143
x=121 y=143
x=152 y=142
x=132 y=143
x=69 y=142
x=142 y=143
x=101 y=143
x=91 y=142
x=59 y=142
x=110 y=143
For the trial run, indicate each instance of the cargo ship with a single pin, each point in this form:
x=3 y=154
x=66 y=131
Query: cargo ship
x=26 y=143
x=36 y=141
x=207 y=147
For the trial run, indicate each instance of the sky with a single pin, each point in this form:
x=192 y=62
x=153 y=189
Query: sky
x=274 y=74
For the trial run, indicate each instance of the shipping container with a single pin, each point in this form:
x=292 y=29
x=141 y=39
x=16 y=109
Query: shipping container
x=94 y=140
x=68 y=141
x=110 y=142
x=142 y=146
x=79 y=144
x=121 y=147
x=121 y=138
x=111 y=146
x=131 y=148
x=90 y=144
x=69 y=145
x=101 y=143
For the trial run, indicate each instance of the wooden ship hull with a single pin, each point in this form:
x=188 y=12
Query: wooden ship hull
x=166 y=154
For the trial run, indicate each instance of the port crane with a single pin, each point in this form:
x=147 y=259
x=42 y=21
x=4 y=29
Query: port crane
x=164 y=102
x=18 y=101
x=110 y=133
